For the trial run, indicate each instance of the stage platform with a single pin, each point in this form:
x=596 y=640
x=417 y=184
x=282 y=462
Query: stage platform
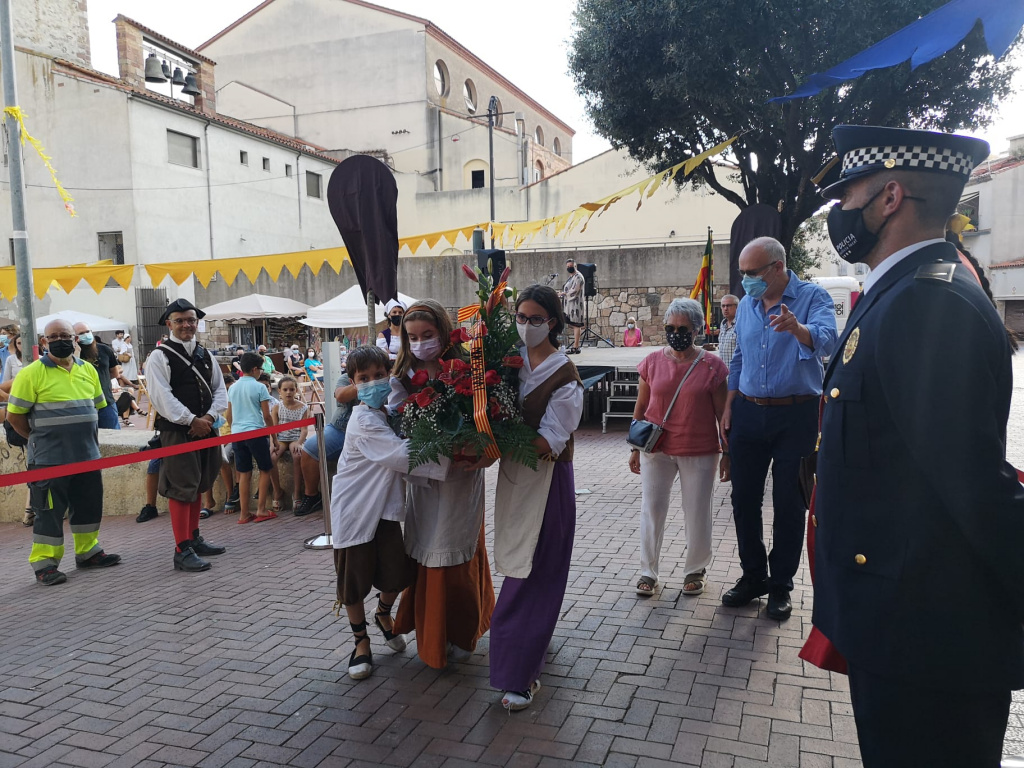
x=609 y=357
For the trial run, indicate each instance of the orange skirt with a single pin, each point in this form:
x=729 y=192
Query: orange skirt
x=448 y=605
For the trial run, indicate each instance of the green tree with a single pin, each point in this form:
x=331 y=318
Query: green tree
x=668 y=79
x=810 y=247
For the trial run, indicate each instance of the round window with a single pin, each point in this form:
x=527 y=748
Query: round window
x=469 y=94
x=440 y=78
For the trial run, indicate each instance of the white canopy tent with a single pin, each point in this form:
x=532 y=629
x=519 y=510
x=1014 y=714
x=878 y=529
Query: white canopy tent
x=347 y=310
x=255 y=307
x=95 y=322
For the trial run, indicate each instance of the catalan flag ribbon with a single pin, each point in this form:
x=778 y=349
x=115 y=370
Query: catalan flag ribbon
x=706 y=279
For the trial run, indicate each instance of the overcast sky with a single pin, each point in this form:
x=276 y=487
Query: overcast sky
x=526 y=41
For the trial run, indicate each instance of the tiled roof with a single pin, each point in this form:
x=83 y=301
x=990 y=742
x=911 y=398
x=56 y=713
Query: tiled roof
x=163 y=39
x=1008 y=264
x=298 y=145
x=999 y=165
x=434 y=31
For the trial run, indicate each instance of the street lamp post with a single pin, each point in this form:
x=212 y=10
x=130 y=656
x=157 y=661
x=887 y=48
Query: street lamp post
x=492 y=111
x=22 y=263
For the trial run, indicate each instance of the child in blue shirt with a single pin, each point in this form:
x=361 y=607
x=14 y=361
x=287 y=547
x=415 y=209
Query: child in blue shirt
x=249 y=409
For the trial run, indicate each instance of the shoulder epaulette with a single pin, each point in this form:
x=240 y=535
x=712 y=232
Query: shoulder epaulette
x=942 y=271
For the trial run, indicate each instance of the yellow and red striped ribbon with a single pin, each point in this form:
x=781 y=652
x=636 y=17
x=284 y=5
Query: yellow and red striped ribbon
x=478 y=372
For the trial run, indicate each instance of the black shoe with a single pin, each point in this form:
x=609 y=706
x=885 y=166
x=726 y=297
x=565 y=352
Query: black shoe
x=746 y=589
x=50 y=576
x=189 y=561
x=780 y=607
x=100 y=560
x=233 y=498
x=148 y=513
x=359 y=667
x=201 y=547
x=309 y=505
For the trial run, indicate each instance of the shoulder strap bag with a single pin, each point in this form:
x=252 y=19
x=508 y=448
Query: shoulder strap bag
x=646 y=435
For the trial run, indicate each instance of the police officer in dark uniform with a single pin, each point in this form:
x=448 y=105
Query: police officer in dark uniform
x=919 y=518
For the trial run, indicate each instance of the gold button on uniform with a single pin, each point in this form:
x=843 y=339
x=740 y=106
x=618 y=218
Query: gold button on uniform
x=860 y=559
x=834 y=393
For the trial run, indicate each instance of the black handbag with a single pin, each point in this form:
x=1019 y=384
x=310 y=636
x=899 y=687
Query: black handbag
x=646 y=435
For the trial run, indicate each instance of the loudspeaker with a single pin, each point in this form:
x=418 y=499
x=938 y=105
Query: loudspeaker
x=497 y=258
x=589 y=271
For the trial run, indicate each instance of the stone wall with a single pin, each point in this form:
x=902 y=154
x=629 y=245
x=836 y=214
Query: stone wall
x=57 y=27
x=610 y=308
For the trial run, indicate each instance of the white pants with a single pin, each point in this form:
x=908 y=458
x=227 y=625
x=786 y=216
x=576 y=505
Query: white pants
x=696 y=483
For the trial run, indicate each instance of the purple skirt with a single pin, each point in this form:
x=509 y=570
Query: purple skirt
x=527 y=611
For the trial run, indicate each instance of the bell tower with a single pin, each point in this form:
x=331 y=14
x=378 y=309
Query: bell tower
x=56 y=27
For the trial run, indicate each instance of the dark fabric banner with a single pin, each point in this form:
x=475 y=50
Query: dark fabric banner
x=363 y=198
x=754 y=221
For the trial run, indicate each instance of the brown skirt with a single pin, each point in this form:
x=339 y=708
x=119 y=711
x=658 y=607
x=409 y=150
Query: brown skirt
x=380 y=563
x=448 y=605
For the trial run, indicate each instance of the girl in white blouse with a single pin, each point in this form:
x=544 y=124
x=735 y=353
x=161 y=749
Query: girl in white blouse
x=535 y=511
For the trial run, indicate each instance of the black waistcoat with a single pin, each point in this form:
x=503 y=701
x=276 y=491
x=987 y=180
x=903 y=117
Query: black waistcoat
x=185 y=386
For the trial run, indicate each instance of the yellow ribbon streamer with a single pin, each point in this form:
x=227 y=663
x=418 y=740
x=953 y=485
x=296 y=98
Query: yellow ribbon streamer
x=18 y=115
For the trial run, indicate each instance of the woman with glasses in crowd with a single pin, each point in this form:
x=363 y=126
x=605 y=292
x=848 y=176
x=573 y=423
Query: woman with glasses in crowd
x=689 y=448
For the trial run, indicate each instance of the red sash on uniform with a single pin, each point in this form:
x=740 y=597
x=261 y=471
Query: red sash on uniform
x=818 y=649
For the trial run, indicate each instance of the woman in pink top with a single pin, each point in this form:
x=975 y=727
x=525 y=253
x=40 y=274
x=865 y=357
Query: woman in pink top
x=632 y=337
x=689 y=447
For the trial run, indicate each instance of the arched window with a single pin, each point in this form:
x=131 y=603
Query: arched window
x=499 y=119
x=441 y=82
x=469 y=94
x=538 y=135
x=538 y=171
x=475 y=175
x=556 y=146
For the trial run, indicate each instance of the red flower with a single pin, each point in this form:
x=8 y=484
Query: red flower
x=513 y=361
x=420 y=378
x=464 y=386
x=468 y=272
x=424 y=397
x=494 y=405
x=460 y=336
x=401 y=408
x=504 y=275
x=492 y=378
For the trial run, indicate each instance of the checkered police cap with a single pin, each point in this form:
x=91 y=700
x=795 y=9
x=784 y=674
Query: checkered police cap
x=869 y=149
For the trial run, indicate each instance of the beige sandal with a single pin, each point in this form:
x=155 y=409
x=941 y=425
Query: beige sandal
x=694 y=584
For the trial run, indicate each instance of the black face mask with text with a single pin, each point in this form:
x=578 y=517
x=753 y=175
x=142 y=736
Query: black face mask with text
x=849 y=234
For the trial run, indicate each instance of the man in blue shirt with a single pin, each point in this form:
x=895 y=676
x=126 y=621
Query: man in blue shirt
x=784 y=327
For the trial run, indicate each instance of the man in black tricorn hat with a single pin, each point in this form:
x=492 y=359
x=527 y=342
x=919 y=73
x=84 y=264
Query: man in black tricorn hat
x=919 y=520
x=187 y=389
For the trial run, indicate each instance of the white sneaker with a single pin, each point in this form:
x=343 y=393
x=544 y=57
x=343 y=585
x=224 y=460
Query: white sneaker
x=457 y=654
x=514 y=701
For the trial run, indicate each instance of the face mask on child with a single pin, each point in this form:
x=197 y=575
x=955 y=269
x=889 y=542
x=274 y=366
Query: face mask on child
x=425 y=350
x=374 y=393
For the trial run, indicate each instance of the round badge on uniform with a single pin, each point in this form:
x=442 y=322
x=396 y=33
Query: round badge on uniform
x=851 y=345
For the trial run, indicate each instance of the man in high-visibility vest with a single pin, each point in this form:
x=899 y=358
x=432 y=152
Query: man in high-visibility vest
x=54 y=404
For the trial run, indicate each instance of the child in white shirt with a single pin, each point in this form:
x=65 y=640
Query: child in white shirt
x=368 y=507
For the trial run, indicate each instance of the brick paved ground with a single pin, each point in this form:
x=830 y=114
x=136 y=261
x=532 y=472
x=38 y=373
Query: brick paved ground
x=245 y=665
